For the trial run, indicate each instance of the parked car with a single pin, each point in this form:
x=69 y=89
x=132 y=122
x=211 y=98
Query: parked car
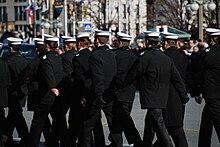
x=27 y=51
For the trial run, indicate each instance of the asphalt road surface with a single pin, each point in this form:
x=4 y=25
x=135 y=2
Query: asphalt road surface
x=191 y=122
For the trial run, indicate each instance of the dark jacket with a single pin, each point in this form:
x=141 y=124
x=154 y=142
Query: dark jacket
x=16 y=64
x=67 y=59
x=156 y=72
x=29 y=75
x=103 y=69
x=211 y=74
x=50 y=76
x=174 y=111
x=4 y=78
x=81 y=73
x=125 y=59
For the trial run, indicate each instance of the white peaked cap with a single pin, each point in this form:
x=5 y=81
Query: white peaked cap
x=14 y=39
x=38 y=39
x=48 y=36
x=71 y=40
x=212 y=30
x=54 y=39
x=153 y=34
x=66 y=37
x=83 y=35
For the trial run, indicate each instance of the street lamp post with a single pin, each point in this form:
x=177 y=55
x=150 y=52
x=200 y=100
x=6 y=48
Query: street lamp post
x=198 y=5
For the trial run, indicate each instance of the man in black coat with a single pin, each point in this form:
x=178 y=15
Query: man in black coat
x=50 y=74
x=210 y=90
x=29 y=75
x=156 y=72
x=69 y=54
x=174 y=112
x=5 y=79
x=122 y=120
x=103 y=68
x=16 y=96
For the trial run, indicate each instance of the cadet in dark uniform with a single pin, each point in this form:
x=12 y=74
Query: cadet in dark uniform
x=82 y=86
x=174 y=112
x=210 y=90
x=31 y=73
x=4 y=78
x=122 y=120
x=67 y=91
x=16 y=96
x=50 y=75
x=156 y=72
x=102 y=68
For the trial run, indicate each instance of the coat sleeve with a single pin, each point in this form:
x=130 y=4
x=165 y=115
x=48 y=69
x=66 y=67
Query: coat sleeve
x=97 y=73
x=47 y=73
x=178 y=83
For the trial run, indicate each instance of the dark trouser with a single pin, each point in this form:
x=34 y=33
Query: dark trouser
x=99 y=137
x=178 y=136
x=59 y=126
x=15 y=119
x=2 y=121
x=122 y=121
x=154 y=122
x=210 y=118
x=75 y=122
x=90 y=121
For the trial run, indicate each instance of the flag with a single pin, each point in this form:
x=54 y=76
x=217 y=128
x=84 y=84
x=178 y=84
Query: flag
x=26 y=8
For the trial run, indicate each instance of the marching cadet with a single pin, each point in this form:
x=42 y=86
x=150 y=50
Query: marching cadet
x=70 y=51
x=156 y=72
x=30 y=72
x=210 y=89
x=103 y=68
x=5 y=79
x=50 y=74
x=174 y=112
x=81 y=84
x=122 y=120
x=16 y=97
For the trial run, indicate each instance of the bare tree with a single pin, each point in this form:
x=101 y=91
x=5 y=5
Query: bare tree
x=172 y=13
x=98 y=13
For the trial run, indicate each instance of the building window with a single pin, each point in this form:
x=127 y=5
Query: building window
x=137 y=10
x=18 y=15
x=124 y=11
x=2 y=1
x=3 y=14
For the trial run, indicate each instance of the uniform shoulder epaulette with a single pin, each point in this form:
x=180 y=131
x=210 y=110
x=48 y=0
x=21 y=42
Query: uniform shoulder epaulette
x=207 y=50
x=44 y=57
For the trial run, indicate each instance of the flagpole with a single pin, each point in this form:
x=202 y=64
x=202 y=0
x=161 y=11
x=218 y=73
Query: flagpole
x=65 y=18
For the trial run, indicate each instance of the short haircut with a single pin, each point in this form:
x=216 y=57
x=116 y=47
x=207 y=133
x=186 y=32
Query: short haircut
x=52 y=44
x=84 y=42
x=171 y=42
x=15 y=47
x=103 y=40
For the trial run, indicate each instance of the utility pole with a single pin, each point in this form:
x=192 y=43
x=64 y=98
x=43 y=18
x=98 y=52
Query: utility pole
x=51 y=16
x=65 y=17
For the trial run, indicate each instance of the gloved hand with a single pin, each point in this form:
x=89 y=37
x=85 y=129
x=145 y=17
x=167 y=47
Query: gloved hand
x=198 y=99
